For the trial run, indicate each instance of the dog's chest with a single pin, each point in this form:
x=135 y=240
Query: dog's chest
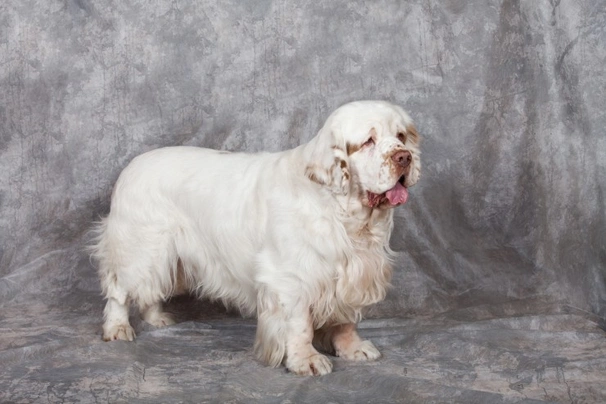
x=362 y=276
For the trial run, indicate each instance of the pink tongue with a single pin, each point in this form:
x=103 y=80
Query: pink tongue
x=397 y=195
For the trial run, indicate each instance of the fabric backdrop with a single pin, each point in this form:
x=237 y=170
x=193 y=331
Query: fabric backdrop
x=506 y=226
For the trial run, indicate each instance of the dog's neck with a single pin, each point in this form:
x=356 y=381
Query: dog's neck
x=360 y=219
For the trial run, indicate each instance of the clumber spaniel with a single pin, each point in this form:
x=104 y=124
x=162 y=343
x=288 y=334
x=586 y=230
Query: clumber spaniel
x=298 y=238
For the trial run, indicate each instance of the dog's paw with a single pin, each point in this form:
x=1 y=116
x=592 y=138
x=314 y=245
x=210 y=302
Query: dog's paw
x=314 y=365
x=160 y=319
x=122 y=332
x=360 y=351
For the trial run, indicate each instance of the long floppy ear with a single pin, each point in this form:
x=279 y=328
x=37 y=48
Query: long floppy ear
x=326 y=161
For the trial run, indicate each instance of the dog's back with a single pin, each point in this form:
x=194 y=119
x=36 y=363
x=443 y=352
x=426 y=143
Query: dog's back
x=182 y=214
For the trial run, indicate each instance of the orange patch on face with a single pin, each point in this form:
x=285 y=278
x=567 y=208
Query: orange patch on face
x=310 y=172
x=412 y=133
x=352 y=148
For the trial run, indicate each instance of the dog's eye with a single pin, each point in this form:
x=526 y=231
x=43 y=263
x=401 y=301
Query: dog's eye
x=369 y=142
x=402 y=137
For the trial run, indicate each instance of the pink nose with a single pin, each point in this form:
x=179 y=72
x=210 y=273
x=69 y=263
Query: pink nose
x=402 y=158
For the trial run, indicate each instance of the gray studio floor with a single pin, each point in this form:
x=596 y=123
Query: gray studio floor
x=523 y=351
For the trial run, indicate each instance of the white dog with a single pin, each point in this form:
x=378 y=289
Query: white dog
x=300 y=238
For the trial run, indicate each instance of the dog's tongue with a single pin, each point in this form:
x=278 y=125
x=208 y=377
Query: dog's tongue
x=397 y=195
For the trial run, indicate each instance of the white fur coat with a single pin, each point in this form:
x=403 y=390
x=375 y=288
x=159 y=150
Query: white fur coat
x=298 y=238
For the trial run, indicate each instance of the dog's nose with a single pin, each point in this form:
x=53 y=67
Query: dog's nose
x=402 y=158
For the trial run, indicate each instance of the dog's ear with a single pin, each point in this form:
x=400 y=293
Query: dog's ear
x=326 y=161
x=412 y=135
x=413 y=141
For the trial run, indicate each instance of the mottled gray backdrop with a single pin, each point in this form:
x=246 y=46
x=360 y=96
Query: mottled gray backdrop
x=500 y=288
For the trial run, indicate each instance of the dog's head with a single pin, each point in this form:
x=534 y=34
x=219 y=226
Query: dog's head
x=367 y=147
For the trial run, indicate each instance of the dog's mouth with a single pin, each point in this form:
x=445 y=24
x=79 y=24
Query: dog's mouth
x=398 y=195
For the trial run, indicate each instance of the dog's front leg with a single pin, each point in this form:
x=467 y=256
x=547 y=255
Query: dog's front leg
x=301 y=357
x=285 y=333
